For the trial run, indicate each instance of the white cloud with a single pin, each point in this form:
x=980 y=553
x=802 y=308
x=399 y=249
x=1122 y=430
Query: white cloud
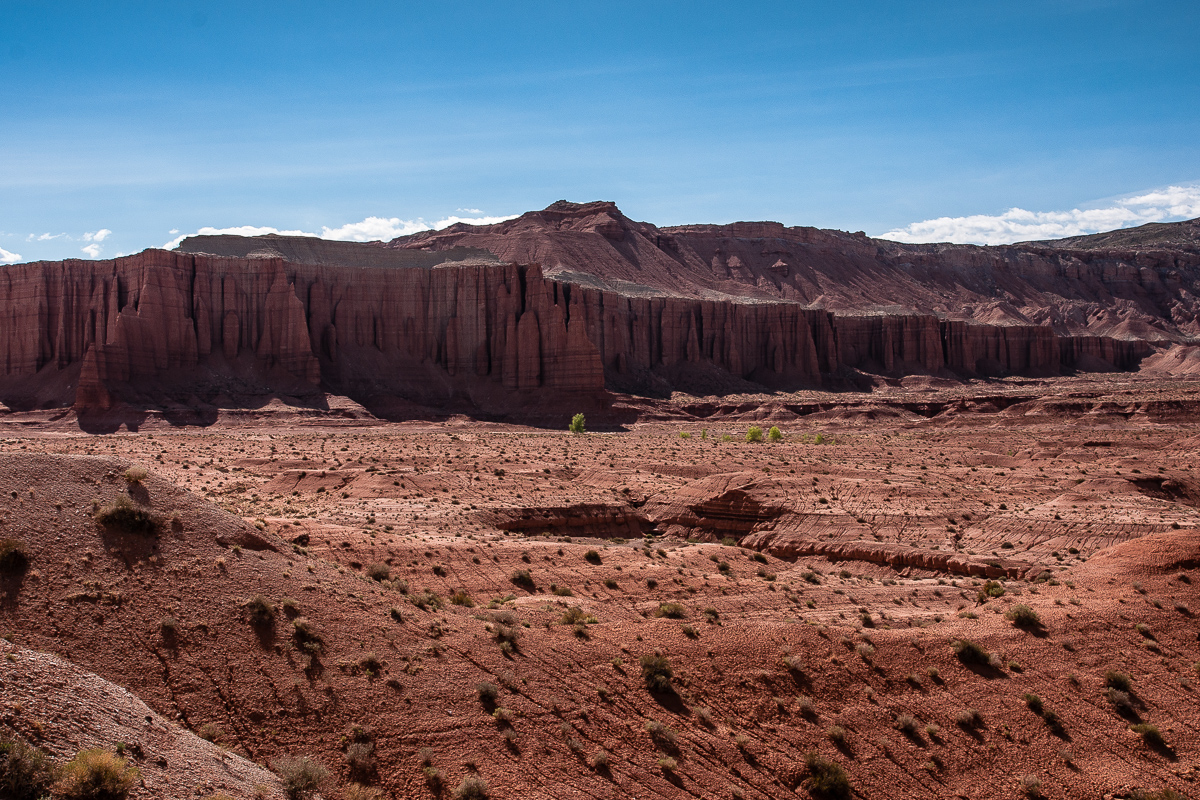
x=98 y=236
x=468 y=210
x=8 y=258
x=45 y=237
x=371 y=229
x=1018 y=225
x=92 y=250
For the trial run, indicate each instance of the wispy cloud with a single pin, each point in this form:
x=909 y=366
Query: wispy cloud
x=98 y=236
x=44 y=237
x=371 y=229
x=8 y=258
x=1018 y=225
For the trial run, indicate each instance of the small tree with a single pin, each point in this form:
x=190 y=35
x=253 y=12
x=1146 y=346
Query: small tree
x=775 y=435
x=754 y=434
x=577 y=424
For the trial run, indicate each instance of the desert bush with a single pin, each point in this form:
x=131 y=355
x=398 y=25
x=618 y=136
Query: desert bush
x=970 y=652
x=1118 y=680
x=302 y=777
x=125 y=515
x=578 y=424
x=14 y=557
x=1150 y=734
x=826 y=779
x=1034 y=703
x=523 y=579
x=135 y=475
x=865 y=650
x=426 y=600
x=667 y=764
x=990 y=589
x=461 y=598
x=260 y=609
x=1031 y=786
x=487 y=692
x=307 y=636
x=775 y=435
x=657 y=672
x=356 y=791
x=25 y=771
x=754 y=434
x=1122 y=702
x=1023 y=616
x=907 y=724
x=671 y=611
x=379 y=571
x=574 y=615
x=837 y=735
x=210 y=732
x=360 y=758
x=662 y=735
x=472 y=787
x=968 y=719
x=96 y=775
x=600 y=761
x=592 y=557
x=1161 y=794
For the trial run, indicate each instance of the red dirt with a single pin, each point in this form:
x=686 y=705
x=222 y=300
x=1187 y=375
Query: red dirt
x=1079 y=495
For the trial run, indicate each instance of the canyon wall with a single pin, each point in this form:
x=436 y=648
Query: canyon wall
x=170 y=327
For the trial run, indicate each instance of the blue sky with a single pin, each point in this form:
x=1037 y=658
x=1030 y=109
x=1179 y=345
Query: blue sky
x=133 y=123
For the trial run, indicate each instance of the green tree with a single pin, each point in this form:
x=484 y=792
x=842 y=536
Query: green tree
x=577 y=423
x=754 y=434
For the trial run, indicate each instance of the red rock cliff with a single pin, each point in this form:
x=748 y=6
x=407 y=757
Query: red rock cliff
x=169 y=327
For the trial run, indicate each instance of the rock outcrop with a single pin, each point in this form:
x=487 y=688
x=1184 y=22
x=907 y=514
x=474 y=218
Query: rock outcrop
x=576 y=301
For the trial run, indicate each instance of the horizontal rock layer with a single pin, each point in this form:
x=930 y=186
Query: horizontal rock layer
x=471 y=334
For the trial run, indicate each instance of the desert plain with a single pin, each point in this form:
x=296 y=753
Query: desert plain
x=975 y=589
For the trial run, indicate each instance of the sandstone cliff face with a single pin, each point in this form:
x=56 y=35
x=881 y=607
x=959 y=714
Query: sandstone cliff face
x=1141 y=284
x=468 y=334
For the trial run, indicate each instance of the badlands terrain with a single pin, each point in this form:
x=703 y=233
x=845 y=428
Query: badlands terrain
x=660 y=609
x=282 y=517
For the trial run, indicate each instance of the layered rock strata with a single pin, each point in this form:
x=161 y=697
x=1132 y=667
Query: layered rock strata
x=475 y=334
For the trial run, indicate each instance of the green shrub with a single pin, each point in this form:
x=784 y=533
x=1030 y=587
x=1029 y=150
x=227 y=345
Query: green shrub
x=826 y=779
x=574 y=615
x=1150 y=734
x=577 y=424
x=990 y=589
x=671 y=611
x=1023 y=617
x=1118 y=680
x=124 y=515
x=657 y=672
x=775 y=435
x=302 y=777
x=14 y=557
x=96 y=775
x=25 y=772
x=754 y=434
